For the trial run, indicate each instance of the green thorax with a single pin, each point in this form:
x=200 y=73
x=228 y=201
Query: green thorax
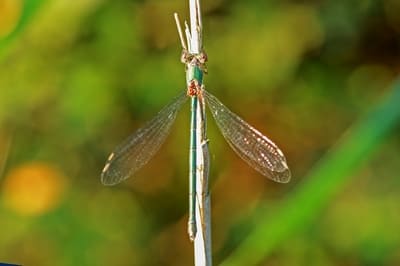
x=194 y=72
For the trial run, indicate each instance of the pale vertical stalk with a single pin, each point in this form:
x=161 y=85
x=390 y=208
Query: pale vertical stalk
x=201 y=230
x=195 y=27
x=202 y=241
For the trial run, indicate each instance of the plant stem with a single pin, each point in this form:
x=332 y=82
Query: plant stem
x=202 y=241
x=200 y=230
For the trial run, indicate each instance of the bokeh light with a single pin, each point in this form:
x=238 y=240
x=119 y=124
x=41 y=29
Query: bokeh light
x=10 y=12
x=33 y=188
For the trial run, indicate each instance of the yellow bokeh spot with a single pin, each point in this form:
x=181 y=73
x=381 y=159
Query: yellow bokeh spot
x=10 y=12
x=33 y=189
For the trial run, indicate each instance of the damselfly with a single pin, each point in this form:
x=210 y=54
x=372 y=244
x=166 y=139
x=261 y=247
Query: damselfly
x=252 y=146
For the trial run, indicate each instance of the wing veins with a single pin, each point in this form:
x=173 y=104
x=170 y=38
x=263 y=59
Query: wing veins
x=251 y=145
x=141 y=146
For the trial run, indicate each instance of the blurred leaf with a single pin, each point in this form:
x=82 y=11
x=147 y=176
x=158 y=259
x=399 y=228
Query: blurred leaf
x=29 y=9
x=323 y=182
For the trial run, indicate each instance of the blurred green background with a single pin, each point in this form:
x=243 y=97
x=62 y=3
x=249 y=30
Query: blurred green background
x=318 y=77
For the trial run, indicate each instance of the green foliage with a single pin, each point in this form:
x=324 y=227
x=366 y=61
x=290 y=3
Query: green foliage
x=322 y=184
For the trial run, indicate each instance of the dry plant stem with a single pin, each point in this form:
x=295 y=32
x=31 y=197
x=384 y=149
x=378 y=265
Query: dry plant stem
x=202 y=230
x=202 y=242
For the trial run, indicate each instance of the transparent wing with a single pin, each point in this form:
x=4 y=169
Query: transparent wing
x=252 y=146
x=141 y=146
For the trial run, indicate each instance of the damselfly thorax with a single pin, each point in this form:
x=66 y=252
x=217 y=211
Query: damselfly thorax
x=195 y=65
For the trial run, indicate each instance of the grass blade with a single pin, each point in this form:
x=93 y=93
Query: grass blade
x=328 y=176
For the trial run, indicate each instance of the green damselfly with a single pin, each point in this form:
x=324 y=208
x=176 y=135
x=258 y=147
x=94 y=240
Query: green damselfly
x=252 y=146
